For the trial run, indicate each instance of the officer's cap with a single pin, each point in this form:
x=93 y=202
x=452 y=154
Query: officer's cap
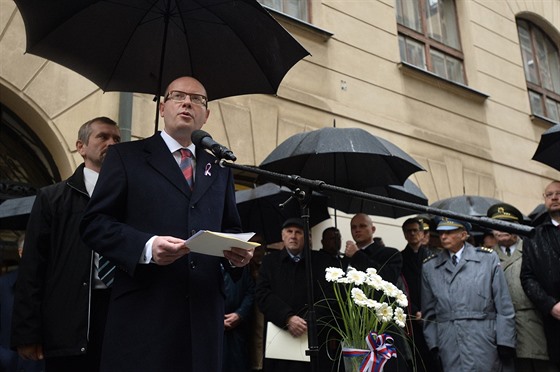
x=447 y=224
x=507 y=212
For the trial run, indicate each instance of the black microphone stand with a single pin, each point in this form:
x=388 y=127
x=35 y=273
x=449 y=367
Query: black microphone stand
x=304 y=197
x=297 y=183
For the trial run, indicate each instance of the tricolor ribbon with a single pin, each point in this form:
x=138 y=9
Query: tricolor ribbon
x=381 y=349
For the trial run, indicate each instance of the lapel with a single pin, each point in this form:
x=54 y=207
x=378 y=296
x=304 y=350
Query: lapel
x=163 y=162
x=207 y=171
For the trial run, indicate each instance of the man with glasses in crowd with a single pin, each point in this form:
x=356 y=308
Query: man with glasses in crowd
x=167 y=306
x=540 y=270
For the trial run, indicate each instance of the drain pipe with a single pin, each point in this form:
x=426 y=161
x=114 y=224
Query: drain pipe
x=125 y=116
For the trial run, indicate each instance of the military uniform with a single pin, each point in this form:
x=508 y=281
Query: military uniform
x=531 y=348
x=531 y=342
x=467 y=310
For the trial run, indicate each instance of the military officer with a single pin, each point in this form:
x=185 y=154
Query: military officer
x=531 y=342
x=469 y=318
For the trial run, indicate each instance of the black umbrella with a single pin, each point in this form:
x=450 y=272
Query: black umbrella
x=408 y=192
x=548 y=151
x=14 y=213
x=538 y=215
x=344 y=157
x=471 y=205
x=260 y=210
x=233 y=47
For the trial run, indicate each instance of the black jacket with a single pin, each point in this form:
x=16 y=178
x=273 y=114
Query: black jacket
x=540 y=278
x=51 y=304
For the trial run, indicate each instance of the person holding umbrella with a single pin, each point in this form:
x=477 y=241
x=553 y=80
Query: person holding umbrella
x=167 y=305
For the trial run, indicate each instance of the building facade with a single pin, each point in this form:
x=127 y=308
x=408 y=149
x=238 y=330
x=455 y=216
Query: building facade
x=464 y=87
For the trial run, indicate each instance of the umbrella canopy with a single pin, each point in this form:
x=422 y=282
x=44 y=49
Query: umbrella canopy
x=466 y=204
x=344 y=157
x=14 y=213
x=408 y=192
x=538 y=215
x=233 y=47
x=260 y=210
x=548 y=151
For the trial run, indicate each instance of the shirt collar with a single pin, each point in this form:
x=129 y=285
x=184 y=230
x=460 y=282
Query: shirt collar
x=173 y=145
x=90 y=179
x=458 y=254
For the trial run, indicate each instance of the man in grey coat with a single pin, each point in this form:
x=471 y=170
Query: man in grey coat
x=531 y=342
x=469 y=318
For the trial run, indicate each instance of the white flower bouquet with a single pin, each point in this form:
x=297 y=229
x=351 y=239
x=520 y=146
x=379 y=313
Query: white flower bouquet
x=367 y=306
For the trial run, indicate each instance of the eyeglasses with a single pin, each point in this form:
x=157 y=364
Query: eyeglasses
x=179 y=97
x=550 y=195
x=412 y=231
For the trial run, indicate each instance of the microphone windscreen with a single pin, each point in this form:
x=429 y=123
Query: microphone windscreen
x=198 y=135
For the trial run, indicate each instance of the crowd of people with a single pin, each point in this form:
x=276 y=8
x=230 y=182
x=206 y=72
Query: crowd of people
x=107 y=282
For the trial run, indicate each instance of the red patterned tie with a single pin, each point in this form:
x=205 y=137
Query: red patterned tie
x=186 y=166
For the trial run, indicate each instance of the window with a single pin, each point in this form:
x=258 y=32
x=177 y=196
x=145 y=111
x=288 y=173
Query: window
x=295 y=8
x=429 y=37
x=541 y=62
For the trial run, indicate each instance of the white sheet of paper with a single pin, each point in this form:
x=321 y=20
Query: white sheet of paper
x=280 y=344
x=214 y=243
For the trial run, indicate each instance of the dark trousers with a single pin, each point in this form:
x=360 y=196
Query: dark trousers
x=88 y=362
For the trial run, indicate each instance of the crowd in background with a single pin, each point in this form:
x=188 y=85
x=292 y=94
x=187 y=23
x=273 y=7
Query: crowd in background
x=107 y=284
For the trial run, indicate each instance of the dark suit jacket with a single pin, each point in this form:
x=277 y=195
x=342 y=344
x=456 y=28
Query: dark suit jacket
x=387 y=261
x=281 y=292
x=158 y=312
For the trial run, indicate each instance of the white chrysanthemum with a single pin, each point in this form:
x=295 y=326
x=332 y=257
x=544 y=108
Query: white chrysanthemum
x=356 y=277
x=390 y=289
x=372 y=304
x=358 y=295
x=402 y=300
x=344 y=280
x=333 y=274
x=361 y=303
x=371 y=271
x=375 y=281
x=399 y=317
x=385 y=312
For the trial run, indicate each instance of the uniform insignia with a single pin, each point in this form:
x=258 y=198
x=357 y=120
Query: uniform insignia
x=429 y=257
x=484 y=249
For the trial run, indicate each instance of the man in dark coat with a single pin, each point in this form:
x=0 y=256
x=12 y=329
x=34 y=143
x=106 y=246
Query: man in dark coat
x=237 y=321
x=60 y=307
x=412 y=256
x=10 y=361
x=364 y=253
x=167 y=304
x=540 y=270
x=281 y=293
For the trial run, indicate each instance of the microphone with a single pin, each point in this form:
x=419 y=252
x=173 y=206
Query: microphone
x=204 y=140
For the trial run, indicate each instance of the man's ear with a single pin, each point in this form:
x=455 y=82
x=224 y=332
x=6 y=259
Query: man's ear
x=80 y=147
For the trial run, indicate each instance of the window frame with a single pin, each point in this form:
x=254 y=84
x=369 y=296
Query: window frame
x=539 y=89
x=307 y=14
x=429 y=43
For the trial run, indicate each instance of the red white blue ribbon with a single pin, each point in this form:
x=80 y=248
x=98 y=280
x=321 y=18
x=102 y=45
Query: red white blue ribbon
x=381 y=349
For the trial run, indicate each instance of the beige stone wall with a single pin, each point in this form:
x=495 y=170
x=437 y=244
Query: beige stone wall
x=467 y=144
